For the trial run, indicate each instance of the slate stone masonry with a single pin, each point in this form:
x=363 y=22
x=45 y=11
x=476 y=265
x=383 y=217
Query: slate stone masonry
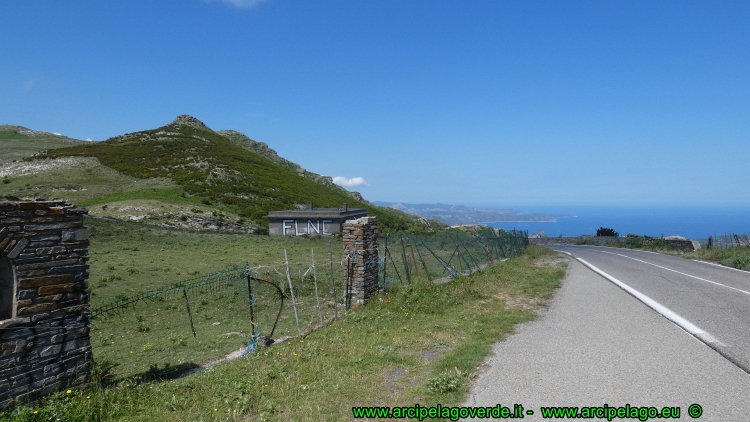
x=361 y=249
x=44 y=329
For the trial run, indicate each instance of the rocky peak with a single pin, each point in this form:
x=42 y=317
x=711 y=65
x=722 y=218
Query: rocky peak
x=260 y=148
x=187 y=120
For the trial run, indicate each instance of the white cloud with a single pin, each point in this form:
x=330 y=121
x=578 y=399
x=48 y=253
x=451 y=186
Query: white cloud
x=244 y=4
x=354 y=181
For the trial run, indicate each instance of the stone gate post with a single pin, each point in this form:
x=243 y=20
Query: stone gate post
x=361 y=252
x=44 y=316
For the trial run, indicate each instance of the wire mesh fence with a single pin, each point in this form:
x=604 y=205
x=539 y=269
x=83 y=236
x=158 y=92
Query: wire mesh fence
x=171 y=330
x=168 y=331
x=407 y=257
x=727 y=240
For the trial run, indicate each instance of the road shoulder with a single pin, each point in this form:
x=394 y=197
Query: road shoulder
x=596 y=344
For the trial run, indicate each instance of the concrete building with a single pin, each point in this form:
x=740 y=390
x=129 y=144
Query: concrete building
x=312 y=221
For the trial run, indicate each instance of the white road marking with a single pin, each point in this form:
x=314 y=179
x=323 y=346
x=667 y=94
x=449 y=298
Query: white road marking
x=720 y=266
x=678 y=272
x=658 y=307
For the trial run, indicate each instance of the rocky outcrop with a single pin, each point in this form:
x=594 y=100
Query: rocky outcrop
x=357 y=196
x=187 y=120
x=260 y=148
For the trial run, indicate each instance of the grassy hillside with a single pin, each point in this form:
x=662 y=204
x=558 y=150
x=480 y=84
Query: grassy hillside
x=18 y=142
x=219 y=172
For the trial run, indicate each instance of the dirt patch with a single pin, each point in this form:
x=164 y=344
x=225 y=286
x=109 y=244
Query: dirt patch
x=24 y=168
x=154 y=212
x=432 y=355
x=397 y=380
x=523 y=302
x=552 y=260
x=392 y=377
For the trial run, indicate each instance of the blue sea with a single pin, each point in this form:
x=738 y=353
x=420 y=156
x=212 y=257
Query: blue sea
x=694 y=222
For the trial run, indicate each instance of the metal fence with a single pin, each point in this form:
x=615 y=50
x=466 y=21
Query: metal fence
x=726 y=240
x=174 y=329
x=408 y=258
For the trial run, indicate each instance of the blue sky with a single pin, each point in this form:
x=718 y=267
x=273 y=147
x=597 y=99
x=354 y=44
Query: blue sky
x=492 y=102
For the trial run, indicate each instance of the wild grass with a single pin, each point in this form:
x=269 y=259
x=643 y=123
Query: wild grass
x=417 y=344
x=737 y=257
x=171 y=194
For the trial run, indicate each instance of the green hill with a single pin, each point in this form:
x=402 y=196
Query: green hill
x=215 y=169
x=18 y=142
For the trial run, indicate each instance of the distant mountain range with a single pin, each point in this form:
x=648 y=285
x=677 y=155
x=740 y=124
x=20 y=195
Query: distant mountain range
x=461 y=214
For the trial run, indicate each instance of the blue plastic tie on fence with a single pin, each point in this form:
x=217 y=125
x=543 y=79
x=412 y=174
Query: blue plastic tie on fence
x=252 y=345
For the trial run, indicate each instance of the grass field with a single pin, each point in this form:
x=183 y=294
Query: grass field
x=128 y=258
x=417 y=344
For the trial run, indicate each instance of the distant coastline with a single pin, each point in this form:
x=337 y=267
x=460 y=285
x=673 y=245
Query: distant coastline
x=461 y=214
x=693 y=222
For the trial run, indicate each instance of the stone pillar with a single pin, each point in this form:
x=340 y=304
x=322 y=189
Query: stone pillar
x=361 y=251
x=44 y=328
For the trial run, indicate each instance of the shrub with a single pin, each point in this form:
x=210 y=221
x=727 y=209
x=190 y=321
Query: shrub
x=445 y=382
x=603 y=231
x=177 y=340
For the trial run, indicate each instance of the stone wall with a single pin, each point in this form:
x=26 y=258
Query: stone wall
x=679 y=245
x=571 y=240
x=44 y=329
x=361 y=252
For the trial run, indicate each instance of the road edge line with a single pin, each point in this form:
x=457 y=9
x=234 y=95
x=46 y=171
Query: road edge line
x=679 y=272
x=667 y=313
x=721 y=266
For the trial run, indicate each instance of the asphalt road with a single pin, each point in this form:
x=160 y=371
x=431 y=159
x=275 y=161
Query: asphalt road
x=598 y=343
x=714 y=298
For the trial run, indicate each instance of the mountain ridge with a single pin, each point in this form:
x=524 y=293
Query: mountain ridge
x=209 y=165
